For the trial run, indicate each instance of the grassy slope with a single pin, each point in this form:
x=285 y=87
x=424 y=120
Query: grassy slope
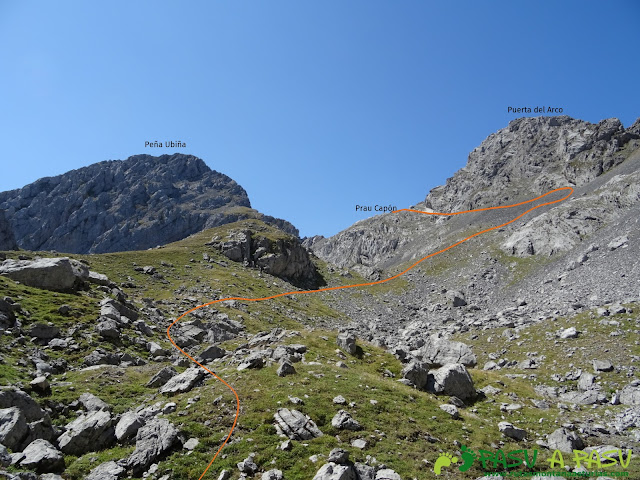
x=397 y=428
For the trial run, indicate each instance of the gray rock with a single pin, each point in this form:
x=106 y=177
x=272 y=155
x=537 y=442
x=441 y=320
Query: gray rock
x=87 y=433
x=44 y=332
x=12 y=397
x=509 y=430
x=339 y=456
x=273 y=474
x=457 y=298
x=153 y=441
x=590 y=397
x=438 y=351
x=5 y=456
x=183 y=382
x=630 y=395
x=564 y=440
x=248 y=466
x=332 y=471
x=586 y=382
x=339 y=400
x=225 y=475
x=451 y=410
x=344 y=421
x=602 y=366
x=254 y=360
x=347 y=342
x=387 y=474
x=93 y=403
x=365 y=472
x=286 y=368
x=452 y=380
x=58 y=274
x=42 y=456
x=162 y=377
x=212 y=352
x=359 y=443
x=191 y=444
x=108 y=329
x=296 y=425
x=40 y=384
x=417 y=373
x=101 y=357
x=570 y=332
x=98 y=279
x=106 y=471
x=13 y=427
x=128 y=425
x=156 y=350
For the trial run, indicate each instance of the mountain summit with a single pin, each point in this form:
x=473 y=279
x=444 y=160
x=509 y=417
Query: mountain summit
x=130 y=204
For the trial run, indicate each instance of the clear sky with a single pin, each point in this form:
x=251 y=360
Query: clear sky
x=312 y=106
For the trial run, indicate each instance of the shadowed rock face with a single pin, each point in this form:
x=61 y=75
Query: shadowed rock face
x=7 y=239
x=120 y=205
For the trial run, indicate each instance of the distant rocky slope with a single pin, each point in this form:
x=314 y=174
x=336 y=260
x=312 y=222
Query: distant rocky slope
x=526 y=159
x=131 y=204
x=581 y=252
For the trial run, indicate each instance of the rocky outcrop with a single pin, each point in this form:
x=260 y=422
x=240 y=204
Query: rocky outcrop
x=130 y=204
x=277 y=254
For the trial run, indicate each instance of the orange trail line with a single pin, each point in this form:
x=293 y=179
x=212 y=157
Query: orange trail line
x=300 y=292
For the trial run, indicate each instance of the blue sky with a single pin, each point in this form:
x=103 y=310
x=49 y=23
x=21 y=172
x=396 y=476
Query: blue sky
x=313 y=107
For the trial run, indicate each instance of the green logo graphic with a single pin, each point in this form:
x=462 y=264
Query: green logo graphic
x=444 y=460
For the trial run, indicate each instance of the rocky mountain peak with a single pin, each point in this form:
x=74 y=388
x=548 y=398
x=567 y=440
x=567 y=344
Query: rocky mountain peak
x=130 y=204
x=534 y=155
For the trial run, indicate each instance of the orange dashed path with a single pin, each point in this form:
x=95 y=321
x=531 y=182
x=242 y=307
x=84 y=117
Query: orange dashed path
x=300 y=292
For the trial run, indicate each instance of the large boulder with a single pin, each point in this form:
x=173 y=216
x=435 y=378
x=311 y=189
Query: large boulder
x=183 y=382
x=12 y=397
x=13 y=427
x=417 y=373
x=128 y=425
x=153 y=441
x=347 y=342
x=452 y=380
x=564 y=440
x=58 y=274
x=438 y=352
x=42 y=456
x=296 y=425
x=88 y=433
x=511 y=431
x=630 y=395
